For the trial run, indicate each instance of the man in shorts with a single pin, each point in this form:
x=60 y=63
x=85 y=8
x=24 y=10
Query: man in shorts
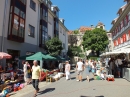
x=79 y=69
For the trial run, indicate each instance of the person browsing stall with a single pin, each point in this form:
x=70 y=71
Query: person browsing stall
x=36 y=75
x=79 y=69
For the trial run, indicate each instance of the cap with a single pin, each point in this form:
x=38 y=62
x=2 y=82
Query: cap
x=66 y=61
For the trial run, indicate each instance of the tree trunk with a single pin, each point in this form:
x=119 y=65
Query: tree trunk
x=98 y=52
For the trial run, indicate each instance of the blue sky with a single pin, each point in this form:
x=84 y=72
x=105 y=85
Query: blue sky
x=88 y=12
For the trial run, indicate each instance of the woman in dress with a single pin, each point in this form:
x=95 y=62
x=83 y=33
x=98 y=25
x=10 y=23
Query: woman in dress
x=87 y=69
x=94 y=68
x=67 y=70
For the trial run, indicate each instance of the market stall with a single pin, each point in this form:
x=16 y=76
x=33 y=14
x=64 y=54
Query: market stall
x=9 y=77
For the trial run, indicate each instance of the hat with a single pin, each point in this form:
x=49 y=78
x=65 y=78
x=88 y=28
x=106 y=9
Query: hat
x=66 y=61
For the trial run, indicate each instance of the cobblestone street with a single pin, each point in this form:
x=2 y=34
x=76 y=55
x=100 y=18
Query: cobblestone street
x=71 y=88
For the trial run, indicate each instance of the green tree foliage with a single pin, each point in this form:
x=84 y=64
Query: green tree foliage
x=54 y=46
x=95 y=40
x=76 y=32
x=74 y=51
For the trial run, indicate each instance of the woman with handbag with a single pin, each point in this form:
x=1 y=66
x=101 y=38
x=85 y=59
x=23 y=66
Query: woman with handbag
x=87 y=66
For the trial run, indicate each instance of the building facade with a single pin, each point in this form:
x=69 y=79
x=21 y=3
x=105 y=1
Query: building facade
x=121 y=28
x=26 y=26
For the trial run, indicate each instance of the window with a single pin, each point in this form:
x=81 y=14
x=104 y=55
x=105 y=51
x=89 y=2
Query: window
x=50 y=20
x=125 y=21
x=44 y=34
x=15 y=25
x=32 y=5
x=60 y=30
x=23 y=1
x=49 y=5
x=49 y=37
x=16 y=28
x=63 y=45
x=31 y=31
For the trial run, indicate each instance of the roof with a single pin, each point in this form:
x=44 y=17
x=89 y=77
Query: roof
x=100 y=23
x=55 y=6
x=84 y=29
x=122 y=8
x=114 y=20
x=70 y=32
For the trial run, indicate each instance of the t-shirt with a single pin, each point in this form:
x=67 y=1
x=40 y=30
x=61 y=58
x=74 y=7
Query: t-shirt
x=67 y=67
x=36 y=72
x=60 y=65
x=25 y=68
x=118 y=62
x=80 y=65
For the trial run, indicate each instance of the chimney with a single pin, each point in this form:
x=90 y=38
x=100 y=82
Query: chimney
x=62 y=20
x=92 y=26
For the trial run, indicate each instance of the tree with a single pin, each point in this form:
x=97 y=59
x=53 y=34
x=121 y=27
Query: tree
x=74 y=51
x=95 y=40
x=72 y=39
x=76 y=32
x=54 y=46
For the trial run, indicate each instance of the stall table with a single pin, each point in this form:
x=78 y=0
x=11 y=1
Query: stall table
x=126 y=73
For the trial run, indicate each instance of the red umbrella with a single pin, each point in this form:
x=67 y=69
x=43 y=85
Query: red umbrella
x=5 y=55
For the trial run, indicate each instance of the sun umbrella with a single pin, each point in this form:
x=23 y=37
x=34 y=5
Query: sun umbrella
x=5 y=55
x=40 y=56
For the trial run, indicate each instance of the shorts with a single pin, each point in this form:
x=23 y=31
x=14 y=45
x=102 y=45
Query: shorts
x=80 y=72
x=118 y=69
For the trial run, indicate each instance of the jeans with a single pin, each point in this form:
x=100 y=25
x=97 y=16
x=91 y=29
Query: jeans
x=35 y=83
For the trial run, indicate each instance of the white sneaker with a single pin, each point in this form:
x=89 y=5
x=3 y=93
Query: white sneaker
x=77 y=80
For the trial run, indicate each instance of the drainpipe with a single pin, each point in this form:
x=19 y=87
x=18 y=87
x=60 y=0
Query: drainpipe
x=4 y=22
x=38 y=23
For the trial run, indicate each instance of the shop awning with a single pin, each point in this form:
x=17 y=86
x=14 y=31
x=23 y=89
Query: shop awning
x=38 y=56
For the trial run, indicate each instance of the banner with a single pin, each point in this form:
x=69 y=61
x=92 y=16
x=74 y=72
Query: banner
x=124 y=38
x=119 y=41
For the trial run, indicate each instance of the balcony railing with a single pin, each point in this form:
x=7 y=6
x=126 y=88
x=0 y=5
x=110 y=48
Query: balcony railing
x=122 y=30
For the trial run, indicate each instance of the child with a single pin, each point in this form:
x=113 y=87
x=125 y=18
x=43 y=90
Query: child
x=103 y=76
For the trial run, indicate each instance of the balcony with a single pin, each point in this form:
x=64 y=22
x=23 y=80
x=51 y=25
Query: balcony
x=122 y=30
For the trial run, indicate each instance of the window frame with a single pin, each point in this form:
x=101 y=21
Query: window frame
x=31 y=6
x=31 y=35
x=12 y=14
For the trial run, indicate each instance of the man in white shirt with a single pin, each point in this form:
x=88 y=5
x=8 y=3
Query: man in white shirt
x=118 y=63
x=61 y=66
x=79 y=68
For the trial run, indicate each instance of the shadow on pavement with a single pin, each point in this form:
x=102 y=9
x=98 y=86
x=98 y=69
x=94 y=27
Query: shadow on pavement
x=11 y=94
x=72 y=72
x=46 y=91
x=73 y=78
x=91 y=96
x=91 y=79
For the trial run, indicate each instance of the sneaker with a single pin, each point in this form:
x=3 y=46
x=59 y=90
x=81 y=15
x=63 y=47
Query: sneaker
x=77 y=80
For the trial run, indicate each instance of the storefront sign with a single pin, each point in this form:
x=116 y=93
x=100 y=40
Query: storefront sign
x=119 y=41
x=124 y=38
x=29 y=53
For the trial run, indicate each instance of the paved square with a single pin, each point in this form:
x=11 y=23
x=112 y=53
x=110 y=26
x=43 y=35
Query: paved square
x=94 y=88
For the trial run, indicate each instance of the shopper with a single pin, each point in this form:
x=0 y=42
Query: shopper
x=25 y=72
x=118 y=63
x=29 y=79
x=36 y=75
x=79 y=68
x=61 y=67
x=67 y=70
x=87 y=69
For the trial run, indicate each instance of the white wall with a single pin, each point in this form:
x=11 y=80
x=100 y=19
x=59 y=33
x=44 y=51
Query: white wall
x=32 y=19
x=50 y=25
x=2 y=6
x=63 y=36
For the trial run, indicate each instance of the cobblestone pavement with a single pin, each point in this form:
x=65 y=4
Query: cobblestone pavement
x=94 y=88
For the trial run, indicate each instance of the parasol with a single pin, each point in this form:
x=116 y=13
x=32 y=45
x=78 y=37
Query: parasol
x=5 y=55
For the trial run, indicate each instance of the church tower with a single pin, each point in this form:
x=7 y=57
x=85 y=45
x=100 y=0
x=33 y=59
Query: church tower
x=100 y=25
